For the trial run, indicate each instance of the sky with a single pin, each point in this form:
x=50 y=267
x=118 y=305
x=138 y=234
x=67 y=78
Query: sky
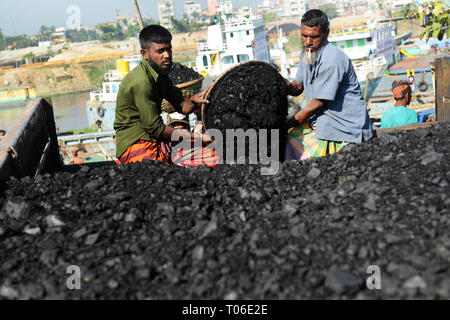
x=26 y=16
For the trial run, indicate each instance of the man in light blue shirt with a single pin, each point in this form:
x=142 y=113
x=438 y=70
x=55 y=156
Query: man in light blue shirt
x=399 y=115
x=333 y=93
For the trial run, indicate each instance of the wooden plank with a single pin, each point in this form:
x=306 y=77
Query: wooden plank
x=408 y=127
x=442 y=67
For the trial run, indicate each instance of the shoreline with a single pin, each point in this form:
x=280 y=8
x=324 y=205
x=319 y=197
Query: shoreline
x=53 y=95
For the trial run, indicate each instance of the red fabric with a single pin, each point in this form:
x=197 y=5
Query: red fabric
x=195 y=157
x=146 y=150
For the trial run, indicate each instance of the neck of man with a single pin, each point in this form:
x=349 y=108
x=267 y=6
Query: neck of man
x=401 y=103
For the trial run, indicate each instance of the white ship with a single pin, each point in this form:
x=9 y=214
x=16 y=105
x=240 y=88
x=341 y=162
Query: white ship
x=101 y=107
x=237 y=40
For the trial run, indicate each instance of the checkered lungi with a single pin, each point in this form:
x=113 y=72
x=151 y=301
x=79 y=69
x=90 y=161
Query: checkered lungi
x=302 y=144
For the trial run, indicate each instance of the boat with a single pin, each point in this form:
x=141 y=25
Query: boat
x=237 y=40
x=16 y=96
x=101 y=107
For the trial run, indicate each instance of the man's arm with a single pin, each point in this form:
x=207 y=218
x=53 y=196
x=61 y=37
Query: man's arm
x=314 y=106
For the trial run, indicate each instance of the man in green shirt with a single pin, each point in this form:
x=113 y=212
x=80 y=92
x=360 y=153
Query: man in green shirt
x=399 y=115
x=140 y=130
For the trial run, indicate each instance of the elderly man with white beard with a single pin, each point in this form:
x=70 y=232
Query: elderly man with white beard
x=336 y=113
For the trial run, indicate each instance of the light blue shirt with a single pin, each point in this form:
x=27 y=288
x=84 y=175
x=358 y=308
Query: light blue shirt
x=344 y=117
x=397 y=117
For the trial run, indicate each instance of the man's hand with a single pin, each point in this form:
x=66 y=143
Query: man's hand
x=294 y=88
x=290 y=122
x=204 y=138
x=198 y=98
x=194 y=102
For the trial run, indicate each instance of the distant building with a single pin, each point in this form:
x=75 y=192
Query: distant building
x=225 y=6
x=212 y=7
x=191 y=6
x=59 y=33
x=166 y=10
x=399 y=3
x=243 y=11
x=294 y=8
x=130 y=19
x=264 y=7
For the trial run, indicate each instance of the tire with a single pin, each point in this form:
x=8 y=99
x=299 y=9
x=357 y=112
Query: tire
x=100 y=112
x=423 y=86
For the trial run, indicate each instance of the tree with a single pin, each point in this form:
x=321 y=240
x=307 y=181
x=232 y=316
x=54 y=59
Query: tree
x=330 y=10
x=196 y=16
x=180 y=26
x=2 y=41
x=111 y=32
x=434 y=18
x=270 y=17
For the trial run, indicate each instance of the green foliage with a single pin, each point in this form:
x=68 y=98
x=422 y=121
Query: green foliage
x=330 y=10
x=28 y=55
x=180 y=26
x=81 y=35
x=270 y=17
x=96 y=75
x=111 y=32
x=22 y=41
x=2 y=41
x=434 y=18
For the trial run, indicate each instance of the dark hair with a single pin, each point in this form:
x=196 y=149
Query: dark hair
x=2 y=131
x=314 y=18
x=154 y=33
x=397 y=83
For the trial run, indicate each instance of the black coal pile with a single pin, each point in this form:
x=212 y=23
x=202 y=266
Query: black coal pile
x=180 y=74
x=151 y=231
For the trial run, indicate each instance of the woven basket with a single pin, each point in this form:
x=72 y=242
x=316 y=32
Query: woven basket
x=188 y=89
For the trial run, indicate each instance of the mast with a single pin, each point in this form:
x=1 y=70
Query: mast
x=139 y=16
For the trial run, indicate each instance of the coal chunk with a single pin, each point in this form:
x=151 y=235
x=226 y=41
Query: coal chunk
x=179 y=73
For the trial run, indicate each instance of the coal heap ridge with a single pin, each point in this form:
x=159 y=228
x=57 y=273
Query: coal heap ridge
x=179 y=73
x=151 y=231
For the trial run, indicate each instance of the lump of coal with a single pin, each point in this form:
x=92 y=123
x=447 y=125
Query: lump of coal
x=180 y=74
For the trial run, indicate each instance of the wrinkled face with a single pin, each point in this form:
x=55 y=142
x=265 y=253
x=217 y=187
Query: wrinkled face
x=159 y=56
x=313 y=38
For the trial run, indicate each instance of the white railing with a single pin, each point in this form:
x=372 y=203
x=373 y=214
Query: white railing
x=114 y=75
x=203 y=46
x=378 y=61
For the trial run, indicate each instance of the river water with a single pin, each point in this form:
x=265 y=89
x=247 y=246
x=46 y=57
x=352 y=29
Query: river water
x=69 y=110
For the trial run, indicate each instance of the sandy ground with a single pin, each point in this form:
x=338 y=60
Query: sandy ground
x=45 y=79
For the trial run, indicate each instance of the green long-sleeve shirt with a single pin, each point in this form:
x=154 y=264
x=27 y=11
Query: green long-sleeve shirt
x=138 y=106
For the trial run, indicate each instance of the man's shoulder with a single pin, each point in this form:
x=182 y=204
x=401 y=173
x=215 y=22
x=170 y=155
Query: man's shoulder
x=137 y=76
x=333 y=55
